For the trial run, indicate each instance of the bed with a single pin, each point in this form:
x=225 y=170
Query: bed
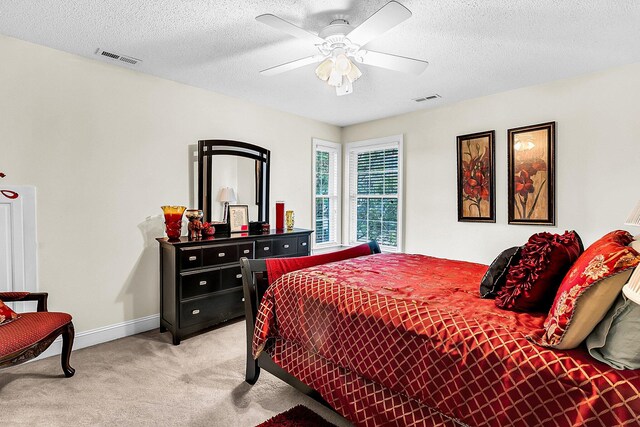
x=399 y=339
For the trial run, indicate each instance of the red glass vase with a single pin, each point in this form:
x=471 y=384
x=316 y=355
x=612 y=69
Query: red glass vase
x=173 y=220
x=279 y=215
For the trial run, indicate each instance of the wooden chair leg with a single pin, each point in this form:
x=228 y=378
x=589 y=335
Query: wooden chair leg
x=67 y=344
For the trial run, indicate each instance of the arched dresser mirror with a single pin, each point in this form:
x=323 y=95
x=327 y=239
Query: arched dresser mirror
x=234 y=172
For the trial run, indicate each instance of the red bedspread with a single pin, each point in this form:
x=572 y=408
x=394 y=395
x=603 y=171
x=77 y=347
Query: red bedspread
x=415 y=325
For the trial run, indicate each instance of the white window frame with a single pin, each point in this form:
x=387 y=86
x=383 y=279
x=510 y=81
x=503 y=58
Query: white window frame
x=335 y=183
x=353 y=148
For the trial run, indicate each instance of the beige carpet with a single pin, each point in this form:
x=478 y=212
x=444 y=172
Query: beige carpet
x=144 y=380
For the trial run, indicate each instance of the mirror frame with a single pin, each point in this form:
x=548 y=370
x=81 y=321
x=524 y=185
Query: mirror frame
x=208 y=148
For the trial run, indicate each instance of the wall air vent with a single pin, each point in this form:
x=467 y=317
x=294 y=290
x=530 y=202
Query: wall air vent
x=116 y=57
x=427 y=98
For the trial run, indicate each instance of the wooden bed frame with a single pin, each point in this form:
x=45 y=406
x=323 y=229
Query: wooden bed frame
x=254 y=283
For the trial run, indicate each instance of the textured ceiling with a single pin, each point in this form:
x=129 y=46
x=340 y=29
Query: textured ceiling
x=474 y=47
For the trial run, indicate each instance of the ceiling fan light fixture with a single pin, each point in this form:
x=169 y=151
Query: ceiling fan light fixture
x=323 y=71
x=354 y=74
x=335 y=78
x=345 y=88
x=343 y=64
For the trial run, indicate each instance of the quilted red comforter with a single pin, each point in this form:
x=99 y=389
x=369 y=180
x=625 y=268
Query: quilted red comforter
x=416 y=326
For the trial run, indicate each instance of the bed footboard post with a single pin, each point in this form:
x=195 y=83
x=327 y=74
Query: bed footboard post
x=251 y=311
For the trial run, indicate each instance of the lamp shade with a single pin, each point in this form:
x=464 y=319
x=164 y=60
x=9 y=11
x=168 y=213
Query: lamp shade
x=634 y=216
x=227 y=194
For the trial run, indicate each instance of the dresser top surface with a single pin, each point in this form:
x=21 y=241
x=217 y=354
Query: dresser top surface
x=232 y=237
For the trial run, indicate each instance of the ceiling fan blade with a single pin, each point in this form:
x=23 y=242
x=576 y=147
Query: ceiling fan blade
x=392 y=62
x=287 y=27
x=287 y=66
x=390 y=15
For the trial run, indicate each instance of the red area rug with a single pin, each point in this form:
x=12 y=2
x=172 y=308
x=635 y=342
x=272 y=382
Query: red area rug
x=298 y=416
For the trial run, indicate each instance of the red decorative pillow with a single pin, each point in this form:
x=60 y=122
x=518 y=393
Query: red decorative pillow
x=532 y=283
x=588 y=290
x=6 y=314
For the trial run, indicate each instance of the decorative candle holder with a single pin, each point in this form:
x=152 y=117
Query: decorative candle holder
x=195 y=223
x=173 y=220
x=290 y=220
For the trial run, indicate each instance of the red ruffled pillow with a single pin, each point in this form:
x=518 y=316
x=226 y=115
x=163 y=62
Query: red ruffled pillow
x=532 y=283
x=6 y=314
x=588 y=291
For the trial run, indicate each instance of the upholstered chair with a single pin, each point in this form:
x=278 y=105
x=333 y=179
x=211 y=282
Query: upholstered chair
x=30 y=334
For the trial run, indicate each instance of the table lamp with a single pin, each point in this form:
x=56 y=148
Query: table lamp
x=632 y=289
x=226 y=196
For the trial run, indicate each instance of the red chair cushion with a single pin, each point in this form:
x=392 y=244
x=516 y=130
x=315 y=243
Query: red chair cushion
x=28 y=329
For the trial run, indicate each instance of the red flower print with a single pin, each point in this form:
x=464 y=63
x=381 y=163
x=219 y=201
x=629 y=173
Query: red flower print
x=475 y=176
x=524 y=185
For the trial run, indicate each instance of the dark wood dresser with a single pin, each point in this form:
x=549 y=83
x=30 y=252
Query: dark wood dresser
x=200 y=280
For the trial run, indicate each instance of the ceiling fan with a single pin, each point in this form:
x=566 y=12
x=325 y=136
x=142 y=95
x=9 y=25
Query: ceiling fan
x=340 y=44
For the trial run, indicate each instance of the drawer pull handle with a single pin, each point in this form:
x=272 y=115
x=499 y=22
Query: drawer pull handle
x=203 y=282
x=195 y=312
x=239 y=276
x=304 y=243
x=285 y=246
x=193 y=258
x=242 y=299
x=221 y=255
x=266 y=248
x=246 y=251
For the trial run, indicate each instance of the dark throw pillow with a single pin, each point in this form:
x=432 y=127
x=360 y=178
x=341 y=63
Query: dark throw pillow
x=532 y=283
x=496 y=276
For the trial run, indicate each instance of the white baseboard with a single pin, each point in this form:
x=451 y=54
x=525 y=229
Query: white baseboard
x=105 y=334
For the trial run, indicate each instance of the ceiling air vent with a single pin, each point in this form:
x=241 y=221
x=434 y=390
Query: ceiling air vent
x=116 y=57
x=427 y=98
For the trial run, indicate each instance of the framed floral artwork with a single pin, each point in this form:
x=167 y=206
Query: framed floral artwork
x=531 y=174
x=476 y=177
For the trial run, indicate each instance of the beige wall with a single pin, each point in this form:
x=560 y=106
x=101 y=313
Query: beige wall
x=598 y=153
x=105 y=147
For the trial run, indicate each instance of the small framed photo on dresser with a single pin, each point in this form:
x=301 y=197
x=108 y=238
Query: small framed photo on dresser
x=238 y=218
x=476 y=177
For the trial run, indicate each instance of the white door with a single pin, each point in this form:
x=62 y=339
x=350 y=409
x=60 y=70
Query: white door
x=18 y=244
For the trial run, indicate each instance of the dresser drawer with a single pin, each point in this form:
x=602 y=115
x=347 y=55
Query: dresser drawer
x=215 y=255
x=190 y=258
x=303 y=245
x=214 y=308
x=230 y=278
x=264 y=248
x=246 y=250
x=287 y=246
x=194 y=285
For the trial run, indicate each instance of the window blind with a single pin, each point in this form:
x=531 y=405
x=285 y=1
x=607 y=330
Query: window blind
x=374 y=173
x=326 y=198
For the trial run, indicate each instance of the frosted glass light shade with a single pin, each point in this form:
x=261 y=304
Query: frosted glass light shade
x=342 y=64
x=323 y=71
x=354 y=74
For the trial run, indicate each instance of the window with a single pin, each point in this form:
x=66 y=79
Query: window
x=326 y=201
x=374 y=170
